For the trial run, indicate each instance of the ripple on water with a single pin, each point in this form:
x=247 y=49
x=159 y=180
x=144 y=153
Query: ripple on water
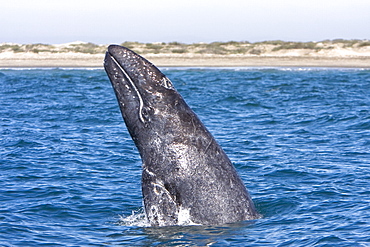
x=299 y=138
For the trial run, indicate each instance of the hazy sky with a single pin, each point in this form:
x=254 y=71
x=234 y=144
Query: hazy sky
x=188 y=21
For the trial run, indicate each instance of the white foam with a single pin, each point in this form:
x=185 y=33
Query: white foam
x=137 y=218
x=184 y=217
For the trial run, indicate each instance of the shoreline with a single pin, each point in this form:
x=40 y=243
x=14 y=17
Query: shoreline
x=96 y=61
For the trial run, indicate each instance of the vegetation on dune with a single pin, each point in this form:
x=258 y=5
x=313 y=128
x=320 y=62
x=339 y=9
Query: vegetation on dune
x=296 y=45
x=216 y=48
x=363 y=44
x=89 y=48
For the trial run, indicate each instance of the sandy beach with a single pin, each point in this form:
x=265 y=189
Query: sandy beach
x=87 y=60
x=236 y=61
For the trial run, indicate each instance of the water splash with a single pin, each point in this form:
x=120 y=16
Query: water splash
x=137 y=218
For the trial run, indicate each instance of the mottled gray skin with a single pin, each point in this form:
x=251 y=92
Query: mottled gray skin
x=187 y=177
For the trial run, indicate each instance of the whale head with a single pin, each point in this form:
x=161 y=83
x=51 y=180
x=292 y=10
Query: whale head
x=148 y=101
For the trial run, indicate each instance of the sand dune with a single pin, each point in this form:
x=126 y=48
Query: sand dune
x=82 y=54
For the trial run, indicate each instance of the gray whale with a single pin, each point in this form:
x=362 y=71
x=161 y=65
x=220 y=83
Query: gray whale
x=187 y=178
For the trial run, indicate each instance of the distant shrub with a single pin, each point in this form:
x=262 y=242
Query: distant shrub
x=255 y=52
x=346 y=43
x=179 y=50
x=36 y=48
x=175 y=43
x=197 y=45
x=336 y=41
x=240 y=50
x=364 y=43
x=89 y=48
x=153 y=46
x=215 y=44
x=295 y=45
x=234 y=43
x=272 y=42
x=7 y=47
x=17 y=48
x=213 y=50
x=130 y=44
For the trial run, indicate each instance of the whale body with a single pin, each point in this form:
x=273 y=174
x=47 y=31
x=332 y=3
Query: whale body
x=186 y=176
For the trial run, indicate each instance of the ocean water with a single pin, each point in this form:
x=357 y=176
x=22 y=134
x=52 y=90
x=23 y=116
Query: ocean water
x=299 y=138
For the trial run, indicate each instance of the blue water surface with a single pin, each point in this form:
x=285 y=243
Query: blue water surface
x=299 y=138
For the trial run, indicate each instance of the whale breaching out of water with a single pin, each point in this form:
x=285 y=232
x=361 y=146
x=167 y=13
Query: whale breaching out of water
x=187 y=178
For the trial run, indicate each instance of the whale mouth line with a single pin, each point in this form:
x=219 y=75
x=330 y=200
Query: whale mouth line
x=129 y=79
